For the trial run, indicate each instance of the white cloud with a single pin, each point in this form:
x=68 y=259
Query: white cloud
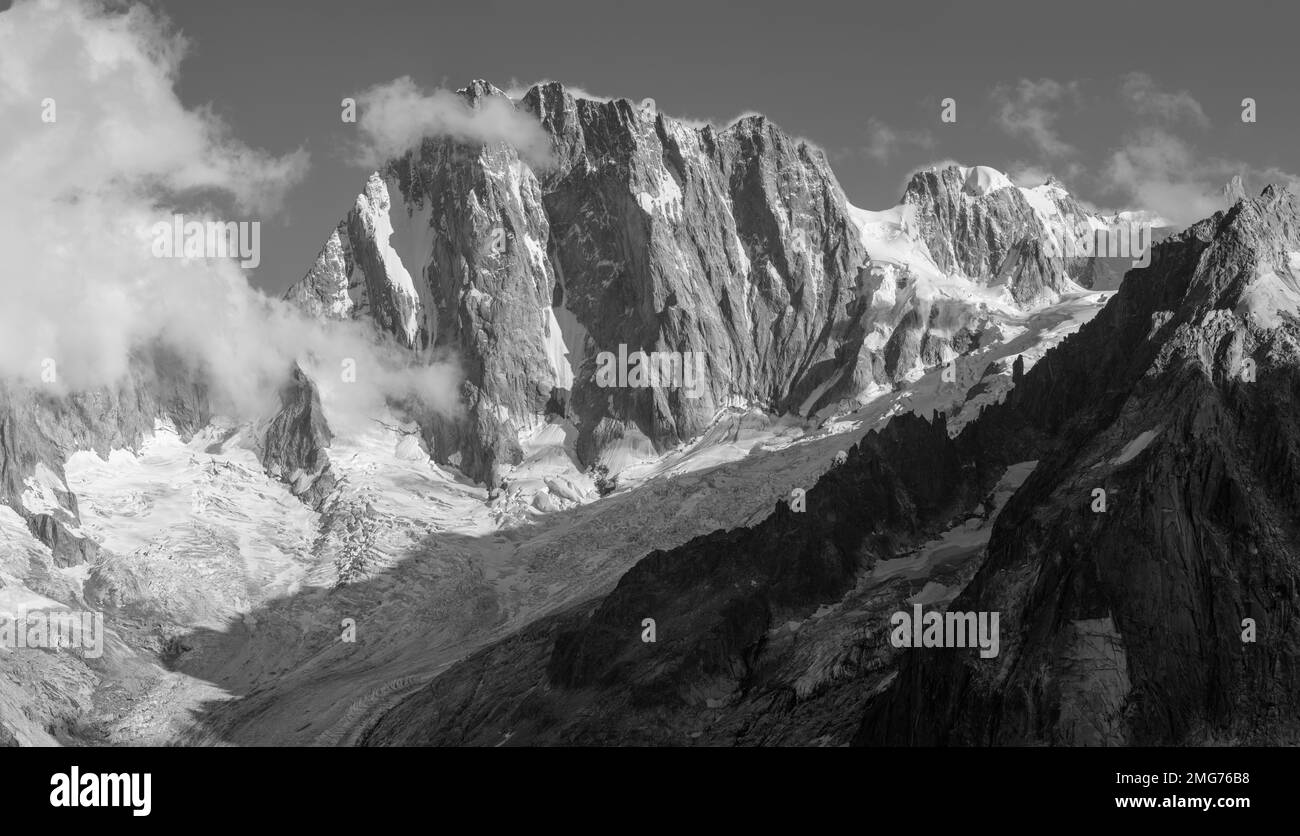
x=112 y=77
x=884 y=142
x=1141 y=93
x=80 y=284
x=1162 y=173
x=1025 y=174
x=1029 y=110
x=395 y=116
x=1152 y=169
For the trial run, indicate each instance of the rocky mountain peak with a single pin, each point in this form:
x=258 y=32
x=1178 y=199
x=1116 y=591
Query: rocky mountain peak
x=653 y=239
x=1234 y=190
x=978 y=223
x=478 y=89
x=649 y=235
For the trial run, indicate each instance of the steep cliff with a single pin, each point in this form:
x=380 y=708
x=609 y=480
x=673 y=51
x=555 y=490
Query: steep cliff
x=655 y=272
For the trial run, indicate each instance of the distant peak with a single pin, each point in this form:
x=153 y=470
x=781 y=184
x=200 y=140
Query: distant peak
x=479 y=89
x=1234 y=190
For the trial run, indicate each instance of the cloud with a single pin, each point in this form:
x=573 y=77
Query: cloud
x=1141 y=93
x=884 y=142
x=111 y=76
x=1162 y=173
x=1151 y=169
x=81 y=285
x=1029 y=111
x=1028 y=175
x=395 y=116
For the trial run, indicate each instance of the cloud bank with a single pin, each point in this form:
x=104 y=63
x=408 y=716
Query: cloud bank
x=1151 y=166
x=884 y=142
x=1029 y=110
x=96 y=149
x=395 y=116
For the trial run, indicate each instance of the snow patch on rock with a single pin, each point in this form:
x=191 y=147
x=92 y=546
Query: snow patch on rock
x=373 y=207
x=1270 y=294
x=981 y=180
x=1136 y=446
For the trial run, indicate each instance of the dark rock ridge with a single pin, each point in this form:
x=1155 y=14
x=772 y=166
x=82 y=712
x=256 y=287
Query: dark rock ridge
x=295 y=446
x=1122 y=627
x=1126 y=626
x=720 y=671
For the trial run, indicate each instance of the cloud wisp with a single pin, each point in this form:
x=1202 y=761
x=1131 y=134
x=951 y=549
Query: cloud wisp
x=1030 y=110
x=1154 y=164
x=97 y=150
x=395 y=116
x=884 y=142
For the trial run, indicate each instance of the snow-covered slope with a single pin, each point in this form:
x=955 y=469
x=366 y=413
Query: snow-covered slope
x=940 y=338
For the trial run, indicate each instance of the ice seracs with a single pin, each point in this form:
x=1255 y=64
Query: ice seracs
x=981 y=180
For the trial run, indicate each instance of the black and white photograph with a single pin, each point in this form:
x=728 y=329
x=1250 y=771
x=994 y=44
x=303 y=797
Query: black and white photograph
x=886 y=379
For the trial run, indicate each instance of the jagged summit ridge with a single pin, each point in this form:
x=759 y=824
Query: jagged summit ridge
x=646 y=233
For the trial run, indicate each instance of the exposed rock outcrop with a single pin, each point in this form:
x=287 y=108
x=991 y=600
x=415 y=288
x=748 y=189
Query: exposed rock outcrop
x=40 y=427
x=730 y=252
x=1126 y=626
x=295 y=447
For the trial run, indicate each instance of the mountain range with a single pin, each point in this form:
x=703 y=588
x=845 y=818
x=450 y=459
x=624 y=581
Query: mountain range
x=910 y=406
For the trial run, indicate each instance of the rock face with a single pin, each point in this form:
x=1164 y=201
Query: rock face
x=726 y=260
x=1234 y=190
x=359 y=273
x=1180 y=400
x=295 y=446
x=977 y=223
x=731 y=244
x=40 y=428
x=1125 y=626
x=727 y=253
x=334 y=288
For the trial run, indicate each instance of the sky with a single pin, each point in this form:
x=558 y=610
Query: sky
x=1131 y=105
